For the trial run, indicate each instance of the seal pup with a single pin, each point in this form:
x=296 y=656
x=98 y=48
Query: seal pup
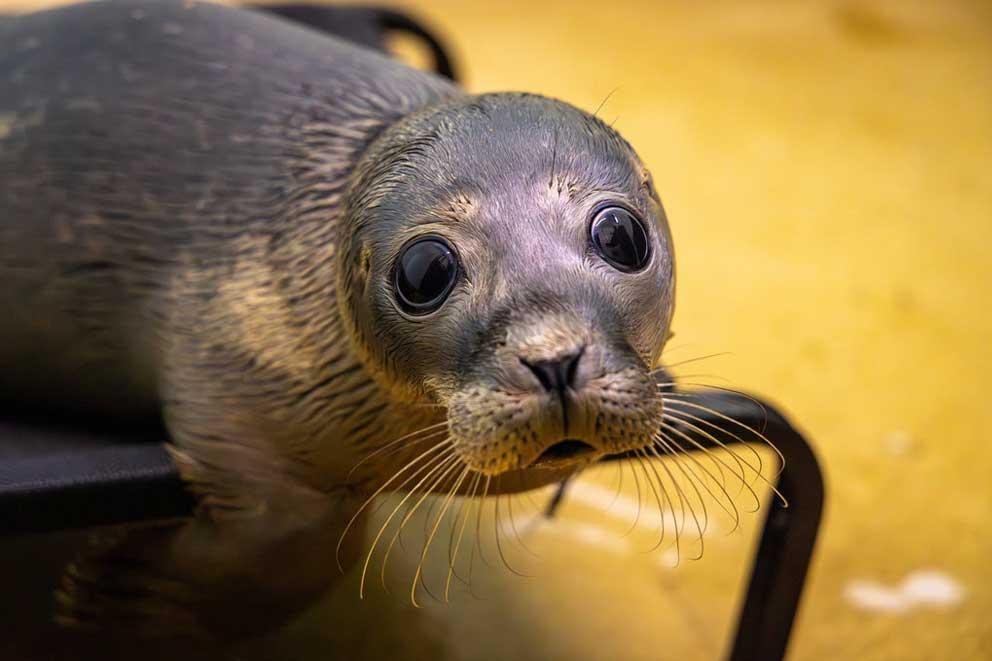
x=331 y=275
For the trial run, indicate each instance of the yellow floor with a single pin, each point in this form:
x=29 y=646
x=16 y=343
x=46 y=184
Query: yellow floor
x=826 y=169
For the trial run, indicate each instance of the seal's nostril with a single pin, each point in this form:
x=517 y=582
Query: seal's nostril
x=556 y=374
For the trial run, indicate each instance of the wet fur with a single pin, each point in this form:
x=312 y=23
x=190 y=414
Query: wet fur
x=198 y=212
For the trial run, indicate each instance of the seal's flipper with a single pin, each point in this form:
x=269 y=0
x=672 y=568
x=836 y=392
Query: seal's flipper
x=240 y=568
x=119 y=582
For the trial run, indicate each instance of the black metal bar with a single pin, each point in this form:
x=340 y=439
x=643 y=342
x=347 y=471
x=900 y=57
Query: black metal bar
x=367 y=26
x=786 y=546
x=54 y=479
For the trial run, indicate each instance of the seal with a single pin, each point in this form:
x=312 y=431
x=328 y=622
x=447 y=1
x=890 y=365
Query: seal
x=330 y=275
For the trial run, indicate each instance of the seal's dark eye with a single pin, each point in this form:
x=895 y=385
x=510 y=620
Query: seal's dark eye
x=425 y=274
x=620 y=239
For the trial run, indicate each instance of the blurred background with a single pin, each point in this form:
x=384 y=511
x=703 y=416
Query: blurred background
x=825 y=166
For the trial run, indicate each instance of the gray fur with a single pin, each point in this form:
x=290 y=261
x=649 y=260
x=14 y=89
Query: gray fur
x=200 y=209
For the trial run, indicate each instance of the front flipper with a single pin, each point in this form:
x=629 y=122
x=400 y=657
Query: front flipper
x=253 y=556
x=117 y=582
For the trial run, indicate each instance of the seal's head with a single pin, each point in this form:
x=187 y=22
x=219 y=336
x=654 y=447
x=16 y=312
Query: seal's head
x=508 y=259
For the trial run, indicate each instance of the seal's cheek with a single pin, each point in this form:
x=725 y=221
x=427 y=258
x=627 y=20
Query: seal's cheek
x=645 y=316
x=493 y=431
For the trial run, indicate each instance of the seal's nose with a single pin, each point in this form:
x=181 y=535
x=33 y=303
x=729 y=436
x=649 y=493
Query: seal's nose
x=556 y=375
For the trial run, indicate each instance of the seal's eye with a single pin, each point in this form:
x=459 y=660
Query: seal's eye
x=425 y=274
x=620 y=239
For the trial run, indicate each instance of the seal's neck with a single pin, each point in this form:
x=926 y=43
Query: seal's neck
x=344 y=412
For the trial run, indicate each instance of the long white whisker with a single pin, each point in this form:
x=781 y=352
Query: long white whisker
x=450 y=460
x=742 y=476
x=428 y=490
x=685 y=500
x=453 y=555
x=729 y=419
x=637 y=517
x=513 y=525
x=661 y=507
x=672 y=447
x=385 y=485
x=681 y=416
x=385 y=447
x=758 y=474
x=499 y=544
x=427 y=545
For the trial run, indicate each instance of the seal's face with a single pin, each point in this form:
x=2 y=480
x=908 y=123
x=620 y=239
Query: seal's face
x=508 y=260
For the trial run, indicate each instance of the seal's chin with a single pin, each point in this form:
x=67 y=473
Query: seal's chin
x=564 y=453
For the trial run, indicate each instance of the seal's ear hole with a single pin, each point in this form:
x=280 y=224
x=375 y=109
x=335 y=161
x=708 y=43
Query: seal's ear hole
x=364 y=266
x=648 y=184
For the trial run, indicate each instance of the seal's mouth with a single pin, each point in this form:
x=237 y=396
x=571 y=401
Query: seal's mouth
x=563 y=452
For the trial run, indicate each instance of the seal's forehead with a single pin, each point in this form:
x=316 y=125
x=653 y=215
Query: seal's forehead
x=520 y=138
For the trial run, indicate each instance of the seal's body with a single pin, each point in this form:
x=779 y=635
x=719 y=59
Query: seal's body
x=152 y=154
x=298 y=252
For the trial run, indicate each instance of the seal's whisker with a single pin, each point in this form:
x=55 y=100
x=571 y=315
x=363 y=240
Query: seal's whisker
x=758 y=475
x=456 y=487
x=476 y=544
x=673 y=415
x=616 y=496
x=413 y=462
x=478 y=521
x=675 y=522
x=681 y=416
x=637 y=517
x=668 y=366
x=381 y=504
x=700 y=528
x=685 y=503
x=410 y=443
x=661 y=507
x=672 y=447
x=427 y=491
x=685 y=415
x=499 y=543
x=453 y=554
x=666 y=498
x=418 y=575
x=446 y=461
x=686 y=394
x=711 y=386
x=603 y=102
x=437 y=488
x=449 y=461
x=513 y=525
x=530 y=498
x=745 y=484
x=440 y=488
x=400 y=440
x=710 y=455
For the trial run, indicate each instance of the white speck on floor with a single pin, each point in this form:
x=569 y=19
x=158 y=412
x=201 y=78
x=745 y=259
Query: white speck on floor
x=899 y=443
x=919 y=589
